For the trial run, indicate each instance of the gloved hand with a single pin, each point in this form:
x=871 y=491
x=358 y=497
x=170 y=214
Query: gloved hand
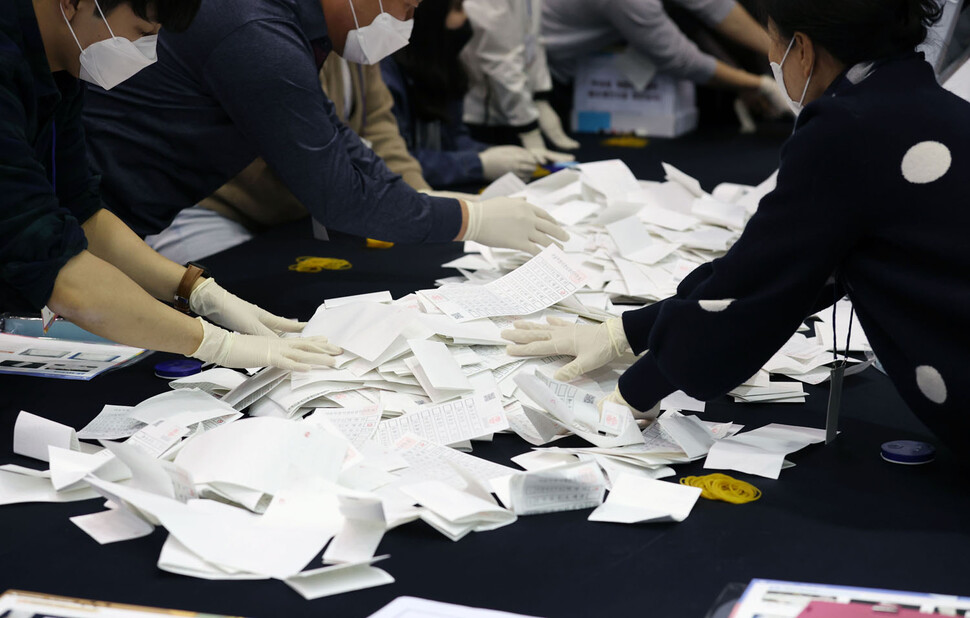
x=533 y=142
x=499 y=160
x=775 y=98
x=214 y=302
x=551 y=126
x=236 y=350
x=512 y=223
x=616 y=397
x=593 y=346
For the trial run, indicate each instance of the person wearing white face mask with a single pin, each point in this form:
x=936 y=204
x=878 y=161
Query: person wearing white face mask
x=870 y=202
x=59 y=247
x=243 y=84
x=109 y=62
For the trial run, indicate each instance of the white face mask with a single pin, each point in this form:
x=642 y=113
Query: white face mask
x=371 y=44
x=780 y=78
x=109 y=62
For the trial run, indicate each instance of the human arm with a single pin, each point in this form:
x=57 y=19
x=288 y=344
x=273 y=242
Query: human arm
x=592 y=346
x=101 y=299
x=741 y=27
x=731 y=315
x=381 y=128
x=498 y=50
x=114 y=242
x=647 y=27
x=278 y=102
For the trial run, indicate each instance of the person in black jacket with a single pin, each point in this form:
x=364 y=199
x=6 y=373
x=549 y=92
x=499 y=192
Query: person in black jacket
x=59 y=247
x=871 y=199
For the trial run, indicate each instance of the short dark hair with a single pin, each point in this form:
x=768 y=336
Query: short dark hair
x=173 y=15
x=856 y=31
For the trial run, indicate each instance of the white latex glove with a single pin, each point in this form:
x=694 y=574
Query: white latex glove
x=214 y=302
x=593 y=346
x=771 y=91
x=236 y=350
x=512 y=223
x=533 y=142
x=551 y=126
x=616 y=397
x=499 y=160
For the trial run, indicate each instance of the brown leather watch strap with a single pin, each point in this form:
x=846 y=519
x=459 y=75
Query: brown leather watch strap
x=192 y=274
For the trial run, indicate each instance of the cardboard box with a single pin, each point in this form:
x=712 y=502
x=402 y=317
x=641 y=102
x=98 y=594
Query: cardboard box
x=605 y=99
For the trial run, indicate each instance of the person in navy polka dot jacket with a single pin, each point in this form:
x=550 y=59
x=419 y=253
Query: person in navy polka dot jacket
x=871 y=201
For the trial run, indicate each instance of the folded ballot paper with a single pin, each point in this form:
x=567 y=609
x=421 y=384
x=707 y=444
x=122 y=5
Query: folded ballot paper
x=326 y=462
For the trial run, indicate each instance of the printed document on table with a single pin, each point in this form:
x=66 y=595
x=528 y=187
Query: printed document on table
x=565 y=488
x=575 y=409
x=635 y=499
x=366 y=329
x=761 y=451
x=539 y=283
x=61 y=358
x=450 y=422
x=429 y=461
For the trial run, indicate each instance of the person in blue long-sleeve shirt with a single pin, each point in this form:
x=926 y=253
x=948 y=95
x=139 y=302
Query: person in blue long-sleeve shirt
x=428 y=84
x=241 y=83
x=870 y=200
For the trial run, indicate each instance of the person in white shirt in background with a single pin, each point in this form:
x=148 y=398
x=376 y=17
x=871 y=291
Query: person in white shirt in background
x=573 y=29
x=508 y=79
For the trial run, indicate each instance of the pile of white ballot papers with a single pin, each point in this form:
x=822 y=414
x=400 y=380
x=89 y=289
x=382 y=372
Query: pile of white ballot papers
x=313 y=468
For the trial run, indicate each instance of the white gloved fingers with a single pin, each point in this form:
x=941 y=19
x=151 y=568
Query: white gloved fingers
x=570 y=371
x=292 y=365
x=542 y=214
x=552 y=229
x=526 y=336
x=528 y=325
x=310 y=345
x=322 y=341
x=542 y=156
x=281 y=324
x=558 y=157
x=541 y=239
x=554 y=321
x=525 y=170
x=562 y=141
x=551 y=125
x=307 y=357
x=537 y=348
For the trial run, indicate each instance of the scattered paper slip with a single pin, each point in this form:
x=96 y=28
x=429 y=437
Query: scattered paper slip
x=635 y=500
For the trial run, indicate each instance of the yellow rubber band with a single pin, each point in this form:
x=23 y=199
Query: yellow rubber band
x=723 y=487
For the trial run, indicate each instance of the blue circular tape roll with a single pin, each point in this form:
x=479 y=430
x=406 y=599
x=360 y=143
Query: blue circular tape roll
x=175 y=369
x=908 y=452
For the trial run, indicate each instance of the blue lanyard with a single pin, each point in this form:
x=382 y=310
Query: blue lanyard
x=54 y=155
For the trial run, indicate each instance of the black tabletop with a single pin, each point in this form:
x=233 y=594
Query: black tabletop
x=842 y=515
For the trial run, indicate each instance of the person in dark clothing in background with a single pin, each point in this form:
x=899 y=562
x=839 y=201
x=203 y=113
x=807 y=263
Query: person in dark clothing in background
x=59 y=247
x=429 y=84
x=243 y=82
x=870 y=201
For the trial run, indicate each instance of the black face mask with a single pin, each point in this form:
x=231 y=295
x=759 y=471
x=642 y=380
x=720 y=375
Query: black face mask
x=455 y=40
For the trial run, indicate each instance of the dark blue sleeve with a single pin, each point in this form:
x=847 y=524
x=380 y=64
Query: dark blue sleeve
x=730 y=316
x=264 y=76
x=78 y=188
x=456 y=134
x=444 y=168
x=38 y=235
